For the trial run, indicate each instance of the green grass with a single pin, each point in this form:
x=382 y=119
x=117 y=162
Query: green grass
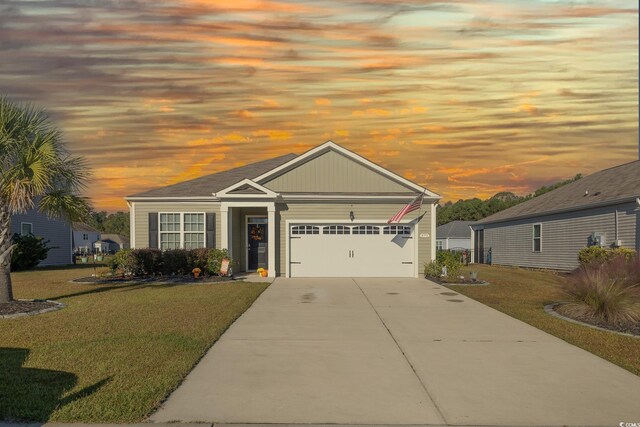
x=523 y=293
x=115 y=351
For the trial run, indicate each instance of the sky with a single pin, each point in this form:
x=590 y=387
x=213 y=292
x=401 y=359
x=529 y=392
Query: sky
x=467 y=98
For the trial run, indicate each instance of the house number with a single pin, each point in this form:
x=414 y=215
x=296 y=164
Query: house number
x=424 y=235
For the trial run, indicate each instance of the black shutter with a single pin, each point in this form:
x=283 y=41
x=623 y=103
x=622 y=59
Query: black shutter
x=211 y=230
x=153 y=230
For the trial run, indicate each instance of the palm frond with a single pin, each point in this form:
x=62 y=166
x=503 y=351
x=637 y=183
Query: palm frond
x=62 y=204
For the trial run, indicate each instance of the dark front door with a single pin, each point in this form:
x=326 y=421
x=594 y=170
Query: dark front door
x=257 y=245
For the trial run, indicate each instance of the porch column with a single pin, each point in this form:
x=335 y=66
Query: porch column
x=224 y=226
x=271 y=245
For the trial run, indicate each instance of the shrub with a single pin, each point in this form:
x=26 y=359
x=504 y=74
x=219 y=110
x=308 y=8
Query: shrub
x=198 y=258
x=215 y=260
x=28 y=251
x=451 y=260
x=600 y=255
x=125 y=261
x=175 y=261
x=432 y=269
x=149 y=260
x=607 y=292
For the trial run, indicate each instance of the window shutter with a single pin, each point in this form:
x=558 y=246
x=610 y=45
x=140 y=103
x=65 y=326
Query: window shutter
x=211 y=230
x=153 y=230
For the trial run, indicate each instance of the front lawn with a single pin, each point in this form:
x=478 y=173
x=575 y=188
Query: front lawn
x=115 y=351
x=523 y=293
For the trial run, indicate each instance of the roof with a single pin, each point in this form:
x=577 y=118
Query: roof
x=208 y=184
x=454 y=230
x=606 y=187
x=116 y=238
x=81 y=226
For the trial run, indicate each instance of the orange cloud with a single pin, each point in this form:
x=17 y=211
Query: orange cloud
x=323 y=102
x=274 y=135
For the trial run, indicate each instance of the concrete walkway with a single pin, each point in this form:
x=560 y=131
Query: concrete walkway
x=395 y=351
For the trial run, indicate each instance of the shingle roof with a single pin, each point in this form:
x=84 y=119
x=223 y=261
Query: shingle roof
x=454 y=230
x=208 y=184
x=81 y=226
x=116 y=238
x=600 y=188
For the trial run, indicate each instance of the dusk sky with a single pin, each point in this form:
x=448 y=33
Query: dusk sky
x=467 y=98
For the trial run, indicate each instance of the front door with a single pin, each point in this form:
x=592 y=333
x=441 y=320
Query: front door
x=257 y=239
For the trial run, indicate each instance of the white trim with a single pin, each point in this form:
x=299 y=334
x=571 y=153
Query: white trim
x=194 y=198
x=379 y=222
x=182 y=231
x=330 y=145
x=416 y=250
x=246 y=241
x=24 y=222
x=224 y=228
x=132 y=224
x=433 y=231
x=533 y=238
x=271 y=244
x=325 y=197
x=225 y=192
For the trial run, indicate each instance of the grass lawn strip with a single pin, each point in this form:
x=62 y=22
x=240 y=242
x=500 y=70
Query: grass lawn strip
x=523 y=294
x=115 y=352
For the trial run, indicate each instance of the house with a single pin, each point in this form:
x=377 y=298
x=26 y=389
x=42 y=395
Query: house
x=111 y=243
x=454 y=235
x=549 y=230
x=57 y=232
x=84 y=236
x=322 y=213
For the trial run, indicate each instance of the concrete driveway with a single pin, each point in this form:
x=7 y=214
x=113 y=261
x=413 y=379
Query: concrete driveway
x=395 y=351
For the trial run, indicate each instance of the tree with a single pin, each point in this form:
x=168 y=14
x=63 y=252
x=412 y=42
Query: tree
x=116 y=223
x=36 y=171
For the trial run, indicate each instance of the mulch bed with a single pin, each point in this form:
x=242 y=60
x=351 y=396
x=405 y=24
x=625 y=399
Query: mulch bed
x=153 y=279
x=633 y=329
x=456 y=281
x=22 y=307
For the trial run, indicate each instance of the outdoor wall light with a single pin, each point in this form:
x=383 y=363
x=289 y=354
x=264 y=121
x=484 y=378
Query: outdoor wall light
x=352 y=216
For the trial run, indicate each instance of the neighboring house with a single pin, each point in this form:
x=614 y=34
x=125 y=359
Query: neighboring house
x=56 y=231
x=454 y=235
x=549 y=230
x=319 y=214
x=84 y=237
x=111 y=243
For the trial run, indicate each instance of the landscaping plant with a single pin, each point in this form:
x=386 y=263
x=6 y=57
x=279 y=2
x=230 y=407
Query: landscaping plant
x=450 y=260
x=28 y=251
x=600 y=255
x=36 y=171
x=605 y=292
x=215 y=260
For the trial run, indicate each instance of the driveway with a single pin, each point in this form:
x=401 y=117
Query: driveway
x=395 y=351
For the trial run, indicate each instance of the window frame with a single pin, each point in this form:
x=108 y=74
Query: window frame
x=439 y=245
x=538 y=238
x=357 y=230
x=397 y=230
x=305 y=229
x=22 y=224
x=182 y=230
x=336 y=229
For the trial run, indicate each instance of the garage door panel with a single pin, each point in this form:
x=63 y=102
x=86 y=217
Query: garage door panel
x=366 y=251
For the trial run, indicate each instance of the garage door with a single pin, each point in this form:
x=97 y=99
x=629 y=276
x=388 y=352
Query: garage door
x=347 y=250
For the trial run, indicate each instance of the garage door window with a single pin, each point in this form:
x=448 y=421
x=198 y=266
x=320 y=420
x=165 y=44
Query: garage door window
x=305 y=229
x=366 y=229
x=336 y=229
x=396 y=229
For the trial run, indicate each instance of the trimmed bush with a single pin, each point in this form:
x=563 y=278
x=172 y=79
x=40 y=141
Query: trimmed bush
x=600 y=255
x=28 y=251
x=607 y=292
x=175 y=261
x=150 y=260
x=432 y=269
x=126 y=262
x=451 y=260
x=215 y=260
x=198 y=258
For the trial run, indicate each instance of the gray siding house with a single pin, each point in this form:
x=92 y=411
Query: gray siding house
x=454 y=235
x=84 y=236
x=549 y=230
x=56 y=231
x=322 y=213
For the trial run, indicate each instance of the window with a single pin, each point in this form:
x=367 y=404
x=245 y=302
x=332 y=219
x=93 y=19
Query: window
x=438 y=245
x=26 y=228
x=396 y=229
x=366 y=229
x=257 y=220
x=305 y=229
x=85 y=236
x=182 y=231
x=537 y=237
x=336 y=229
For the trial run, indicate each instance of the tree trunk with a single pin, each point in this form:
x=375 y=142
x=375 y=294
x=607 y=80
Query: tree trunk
x=6 y=292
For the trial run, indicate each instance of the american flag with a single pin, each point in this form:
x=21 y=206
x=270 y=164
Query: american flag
x=413 y=206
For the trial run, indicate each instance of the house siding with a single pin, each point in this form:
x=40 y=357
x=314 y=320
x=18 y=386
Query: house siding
x=56 y=231
x=563 y=235
x=142 y=210
x=301 y=211
x=332 y=172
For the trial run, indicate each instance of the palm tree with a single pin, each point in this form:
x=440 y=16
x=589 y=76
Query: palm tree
x=36 y=171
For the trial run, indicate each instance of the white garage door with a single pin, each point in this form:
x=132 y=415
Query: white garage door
x=347 y=250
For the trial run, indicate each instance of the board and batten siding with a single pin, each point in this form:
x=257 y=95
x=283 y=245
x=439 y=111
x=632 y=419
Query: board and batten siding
x=56 y=231
x=333 y=173
x=142 y=210
x=339 y=212
x=563 y=235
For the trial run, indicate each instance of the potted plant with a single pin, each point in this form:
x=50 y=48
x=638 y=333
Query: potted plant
x=84 y=258
x=262 y=272
x=196 y=272
x=99 y=257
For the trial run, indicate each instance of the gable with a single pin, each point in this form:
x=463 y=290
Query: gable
x=246 y=189
x=332 y=172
